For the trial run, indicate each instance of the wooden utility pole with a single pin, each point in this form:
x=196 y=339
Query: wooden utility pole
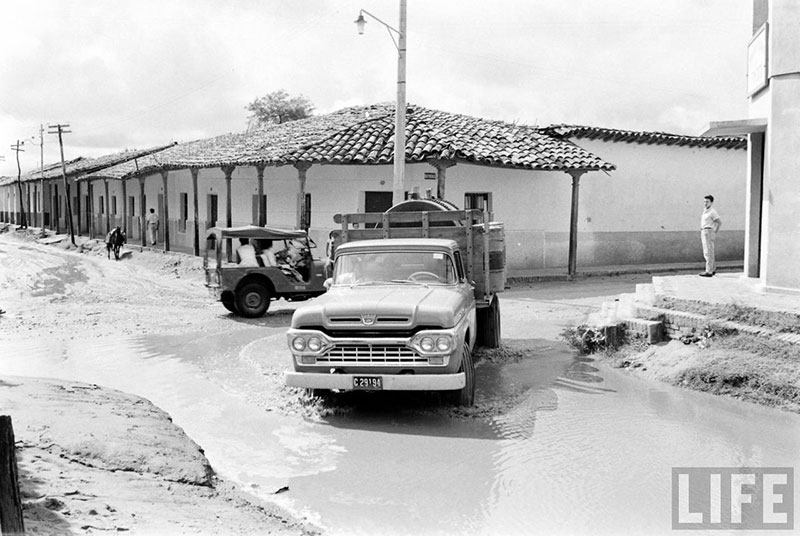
x=41 y=178
x=23 y=216
x=59 y=129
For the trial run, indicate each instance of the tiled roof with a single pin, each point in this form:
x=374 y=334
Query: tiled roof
x=432 y=134
x=365 y=135
x=39 y=173
x=266 y=145
x=649 y=138
x=85 y=166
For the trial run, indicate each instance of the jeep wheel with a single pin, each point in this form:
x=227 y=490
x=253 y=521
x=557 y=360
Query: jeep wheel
x=466 y=395
x=252 y=300
x=229 y=304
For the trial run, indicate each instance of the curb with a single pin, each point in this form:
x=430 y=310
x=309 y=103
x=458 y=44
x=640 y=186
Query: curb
x=633 y=270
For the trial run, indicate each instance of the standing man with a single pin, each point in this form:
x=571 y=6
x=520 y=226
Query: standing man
x=710 y=223
x=152 y=226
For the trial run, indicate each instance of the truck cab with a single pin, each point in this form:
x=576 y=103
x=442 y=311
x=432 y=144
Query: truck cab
x=400 y=314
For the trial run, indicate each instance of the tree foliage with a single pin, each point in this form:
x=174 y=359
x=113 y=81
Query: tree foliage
x=278 y=107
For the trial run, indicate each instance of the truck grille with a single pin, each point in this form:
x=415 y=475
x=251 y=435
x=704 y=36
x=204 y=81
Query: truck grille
x=371 y=354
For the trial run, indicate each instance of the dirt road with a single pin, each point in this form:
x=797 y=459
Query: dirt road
x=93 y=459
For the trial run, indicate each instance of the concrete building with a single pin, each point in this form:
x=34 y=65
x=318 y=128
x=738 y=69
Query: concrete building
x=772 y=231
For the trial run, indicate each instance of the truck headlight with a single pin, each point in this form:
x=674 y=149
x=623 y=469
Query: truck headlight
x=433 y=342
x=299 y=344
x=314 y=344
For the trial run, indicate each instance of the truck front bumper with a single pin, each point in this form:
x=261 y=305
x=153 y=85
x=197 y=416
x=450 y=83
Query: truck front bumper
x=390 y=382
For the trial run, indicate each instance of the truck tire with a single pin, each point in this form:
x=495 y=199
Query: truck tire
x=489 y=325
x=252 y=300
x=466 y=395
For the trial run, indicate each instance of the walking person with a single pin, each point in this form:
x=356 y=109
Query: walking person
x=152 y=226
x=710 y=223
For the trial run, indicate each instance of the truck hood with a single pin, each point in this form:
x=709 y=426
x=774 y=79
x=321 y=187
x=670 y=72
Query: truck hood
x=391 y=307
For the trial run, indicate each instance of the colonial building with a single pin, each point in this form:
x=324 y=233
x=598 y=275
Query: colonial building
x=567 y=195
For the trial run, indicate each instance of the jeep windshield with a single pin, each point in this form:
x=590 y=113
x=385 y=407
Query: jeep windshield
x=375 y=267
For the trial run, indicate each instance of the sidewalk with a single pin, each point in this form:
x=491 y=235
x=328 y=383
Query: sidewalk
x=560 y=274
x=727 y=288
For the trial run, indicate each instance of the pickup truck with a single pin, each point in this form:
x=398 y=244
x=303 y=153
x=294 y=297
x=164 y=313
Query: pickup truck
x=248 y=290
x=412 y=294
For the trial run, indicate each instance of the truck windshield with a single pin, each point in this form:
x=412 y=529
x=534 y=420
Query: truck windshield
x=394 y=267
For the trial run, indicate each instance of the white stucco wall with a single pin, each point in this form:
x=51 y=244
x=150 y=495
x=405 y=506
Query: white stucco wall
x=780 y=247
x=647 y=211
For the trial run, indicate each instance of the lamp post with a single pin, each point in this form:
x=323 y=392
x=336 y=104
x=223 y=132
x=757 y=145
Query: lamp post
x=398 y=183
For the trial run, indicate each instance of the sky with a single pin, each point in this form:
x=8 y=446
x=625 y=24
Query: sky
x=134 y=74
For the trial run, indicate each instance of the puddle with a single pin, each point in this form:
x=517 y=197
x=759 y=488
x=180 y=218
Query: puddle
x=556 y=444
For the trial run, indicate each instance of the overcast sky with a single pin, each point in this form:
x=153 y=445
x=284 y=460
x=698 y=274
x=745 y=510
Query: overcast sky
x=132 y=74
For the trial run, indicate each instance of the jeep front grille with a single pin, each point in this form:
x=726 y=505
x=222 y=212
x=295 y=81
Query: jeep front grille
x=371 y=354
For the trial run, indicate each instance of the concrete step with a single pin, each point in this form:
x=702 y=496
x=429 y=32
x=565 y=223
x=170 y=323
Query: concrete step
x=645 y=293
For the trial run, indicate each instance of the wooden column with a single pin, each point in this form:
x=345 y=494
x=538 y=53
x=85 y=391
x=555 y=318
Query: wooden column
x=108 y=206
x=124 y=206
x=262 y=208
x=165 y=208
x=573 y=224
x=29 y=211
x=11 y=521
x=228 y=170
x=41 y=203
x=196 y=202
x=78 y=227
x=142 y=211
x=90 y=207
x=302 y=168
x=441 y=175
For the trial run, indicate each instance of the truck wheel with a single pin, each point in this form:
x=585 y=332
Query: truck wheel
x=252 y=300
x=489 y=325
x=466 y=395
x=494 y=323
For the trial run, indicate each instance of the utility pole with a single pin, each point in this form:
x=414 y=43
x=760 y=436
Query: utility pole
x=23 y=217
x=60 y=129
x=41 y=179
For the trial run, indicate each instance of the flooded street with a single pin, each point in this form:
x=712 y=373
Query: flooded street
x=556 y=443
x=557 y=446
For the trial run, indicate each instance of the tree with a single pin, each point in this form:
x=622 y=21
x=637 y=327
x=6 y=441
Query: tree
x=277 y=107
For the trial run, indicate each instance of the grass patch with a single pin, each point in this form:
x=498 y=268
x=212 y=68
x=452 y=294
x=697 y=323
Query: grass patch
x=743 y=366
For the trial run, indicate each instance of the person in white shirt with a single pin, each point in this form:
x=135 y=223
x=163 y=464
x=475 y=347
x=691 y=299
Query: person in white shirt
x=152 y=226
x=246 y=254
x=710 y=223
x=267 y=255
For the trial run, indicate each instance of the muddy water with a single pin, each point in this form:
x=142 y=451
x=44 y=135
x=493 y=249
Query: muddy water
x=556 y=445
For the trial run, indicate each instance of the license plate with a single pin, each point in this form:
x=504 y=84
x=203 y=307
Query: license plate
x=367 y=383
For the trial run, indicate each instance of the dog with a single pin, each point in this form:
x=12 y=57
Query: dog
x=114 y=240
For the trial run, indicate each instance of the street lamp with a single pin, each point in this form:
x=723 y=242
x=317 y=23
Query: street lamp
x=398 y=185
